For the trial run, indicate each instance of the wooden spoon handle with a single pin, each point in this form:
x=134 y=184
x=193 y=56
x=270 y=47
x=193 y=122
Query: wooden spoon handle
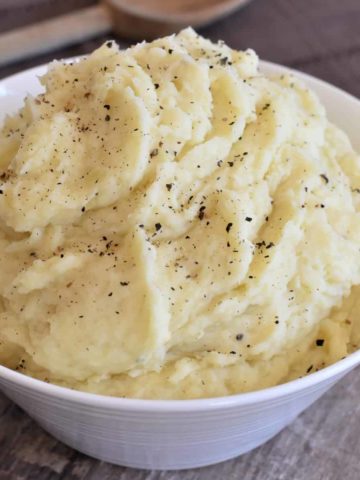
x=54 y=33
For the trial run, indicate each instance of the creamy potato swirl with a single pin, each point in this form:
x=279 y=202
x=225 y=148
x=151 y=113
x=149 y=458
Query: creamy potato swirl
x=175 y=224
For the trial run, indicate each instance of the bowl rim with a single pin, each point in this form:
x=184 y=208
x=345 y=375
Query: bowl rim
x=334 y=370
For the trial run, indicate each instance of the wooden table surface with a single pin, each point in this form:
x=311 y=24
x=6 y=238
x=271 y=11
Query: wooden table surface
x=320 y=37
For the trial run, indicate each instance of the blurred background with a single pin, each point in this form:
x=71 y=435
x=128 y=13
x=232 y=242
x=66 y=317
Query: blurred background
x=320 y=37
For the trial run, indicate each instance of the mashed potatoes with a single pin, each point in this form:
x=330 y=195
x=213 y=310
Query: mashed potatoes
x=173 y=224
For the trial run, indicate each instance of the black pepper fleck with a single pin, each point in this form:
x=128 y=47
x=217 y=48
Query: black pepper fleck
x=228 y=227
x=324 y=177
x=201 y=212
x=154 y=152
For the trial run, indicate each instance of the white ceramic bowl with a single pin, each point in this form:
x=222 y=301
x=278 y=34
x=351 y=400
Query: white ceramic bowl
x=173 y=434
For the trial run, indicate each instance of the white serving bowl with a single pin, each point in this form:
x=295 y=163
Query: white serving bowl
x=157 y=434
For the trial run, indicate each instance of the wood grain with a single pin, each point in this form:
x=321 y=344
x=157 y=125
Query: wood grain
x=321 y=38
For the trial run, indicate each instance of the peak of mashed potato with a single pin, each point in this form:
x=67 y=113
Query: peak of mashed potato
x=174 y=224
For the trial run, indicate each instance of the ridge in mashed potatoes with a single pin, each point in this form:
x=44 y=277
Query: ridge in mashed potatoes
x=174 y=224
